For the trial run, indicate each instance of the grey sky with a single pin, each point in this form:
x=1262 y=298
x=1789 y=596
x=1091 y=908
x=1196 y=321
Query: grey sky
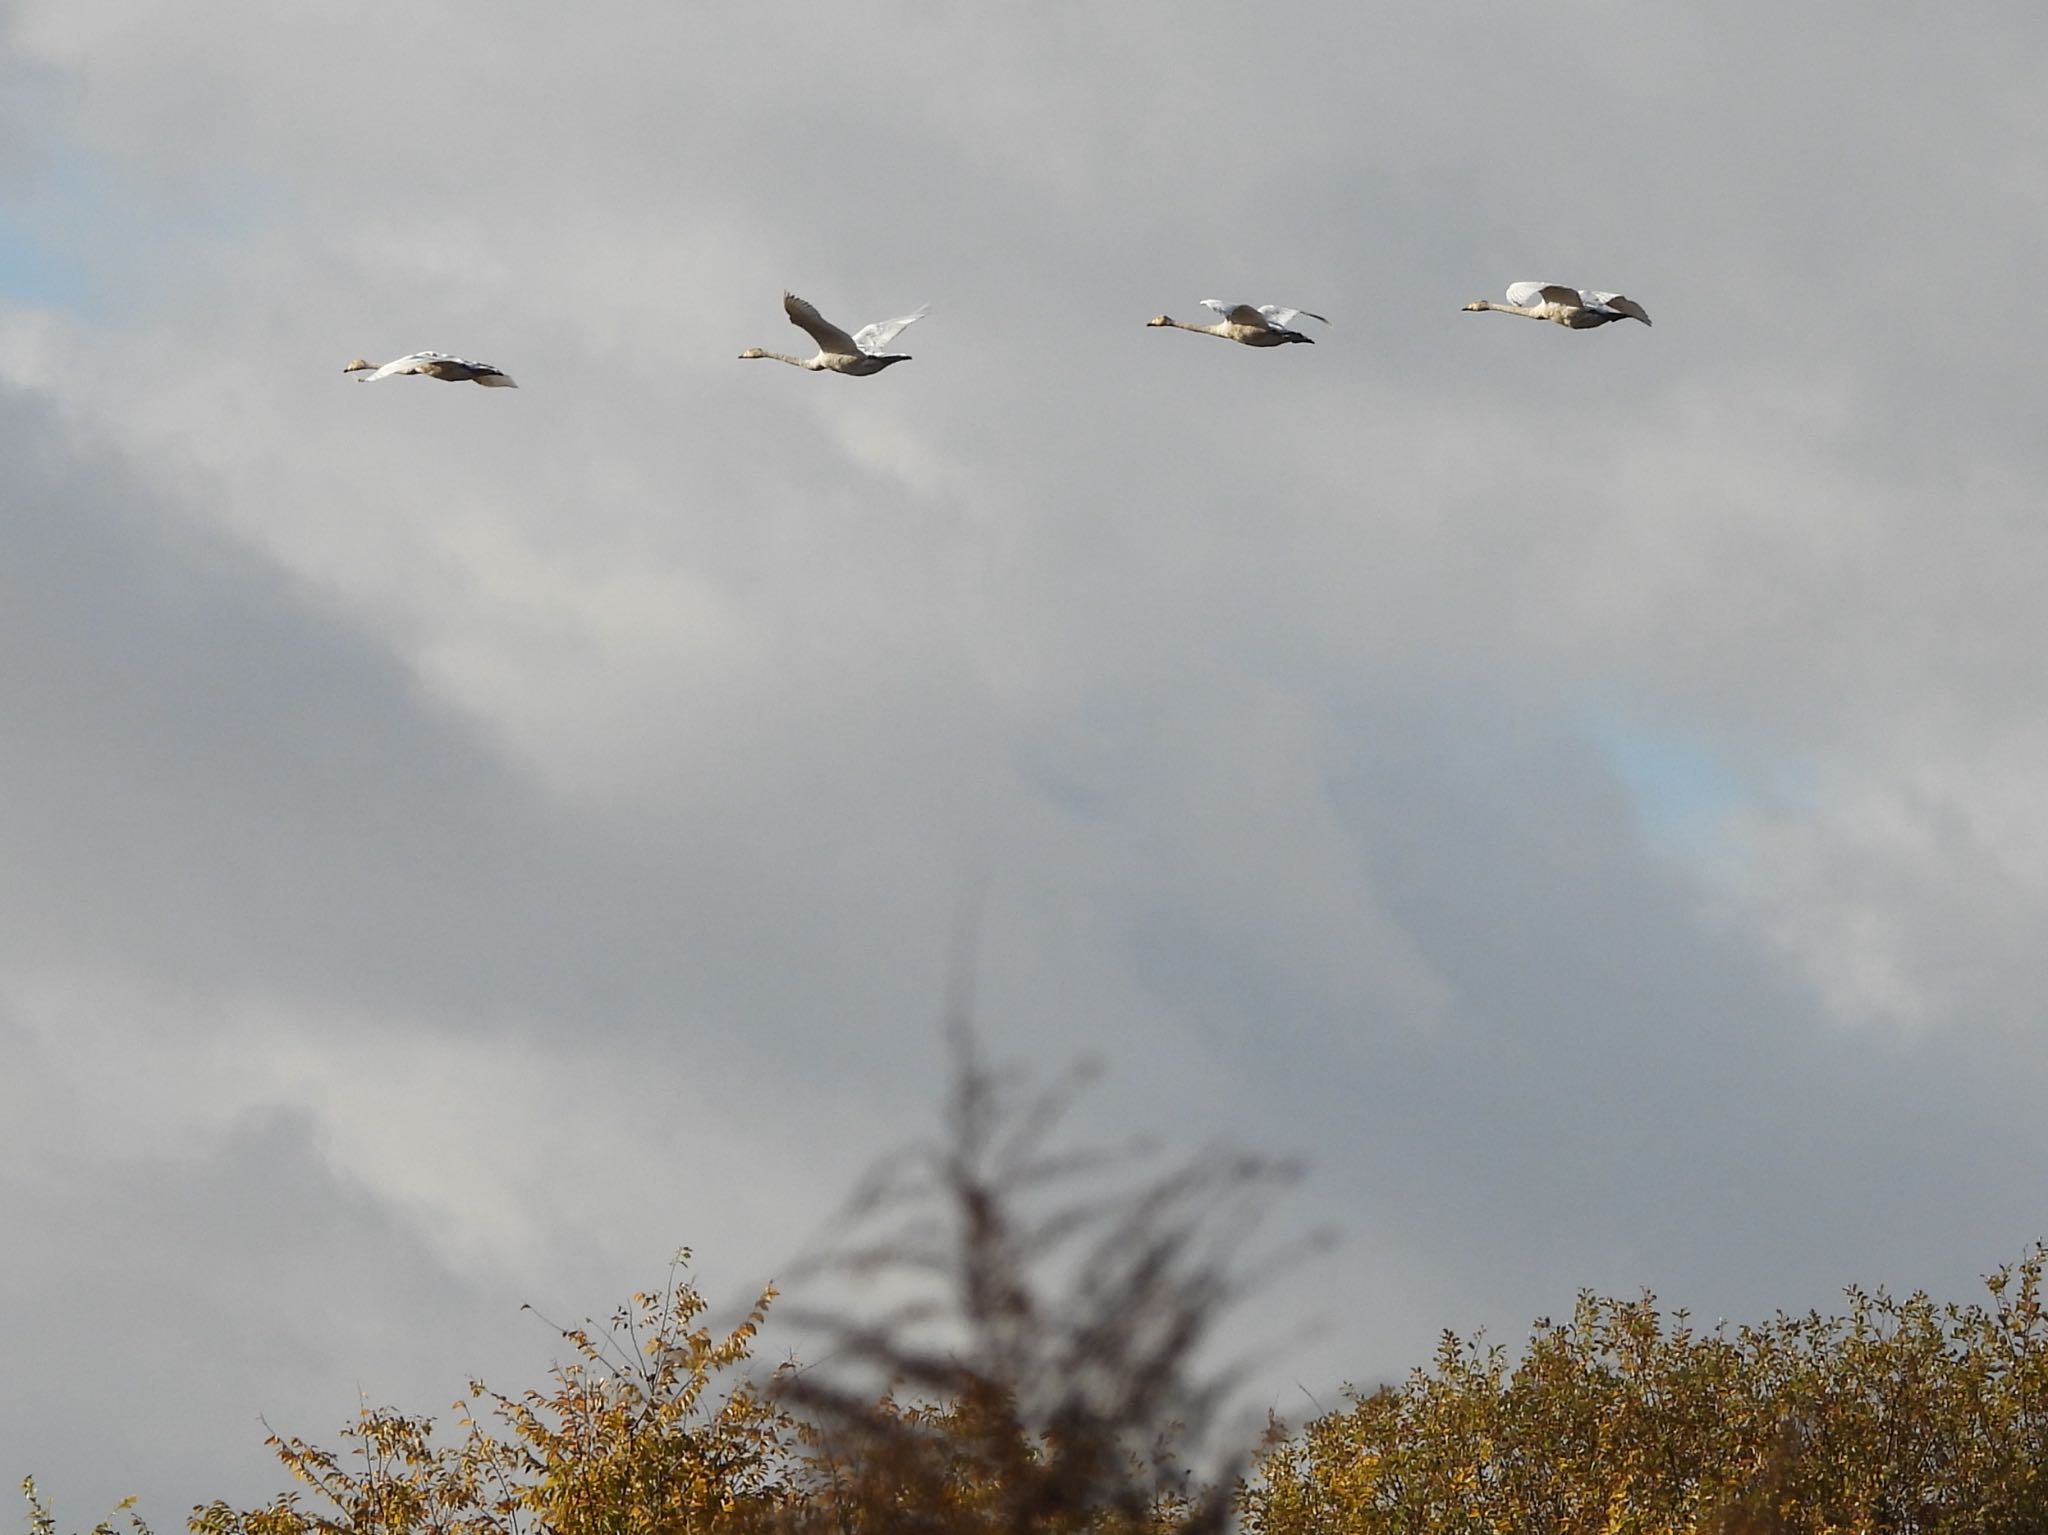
x=1583 y=791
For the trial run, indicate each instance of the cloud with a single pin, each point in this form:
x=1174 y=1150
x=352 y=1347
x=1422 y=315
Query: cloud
x=205 y=1284
x=524 y=832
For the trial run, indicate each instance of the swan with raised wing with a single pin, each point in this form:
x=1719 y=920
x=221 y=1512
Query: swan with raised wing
x=453 y=370
x=858 y=354
x=1248 y=325
x=1573 y=308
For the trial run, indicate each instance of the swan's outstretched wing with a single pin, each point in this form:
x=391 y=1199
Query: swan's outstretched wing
x=412 y=362
x=446 y=365
x=1530 y=294
x=872 y=338
x=1615 y=304
x=1284 y=318
x=462 y=370
x=830 y=338
x=1239 y=314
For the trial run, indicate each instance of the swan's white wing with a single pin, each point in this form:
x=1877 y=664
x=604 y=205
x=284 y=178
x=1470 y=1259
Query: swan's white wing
x=1284 y=318
x=1529 y=294
x=1238 y=314
x=830 y=338
x=1614 y=303
x=410 y=363
x=872 y=338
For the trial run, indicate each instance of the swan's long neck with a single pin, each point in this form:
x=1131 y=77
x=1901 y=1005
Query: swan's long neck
x=1526 y=311
x=794 y=362
x=1220 y=328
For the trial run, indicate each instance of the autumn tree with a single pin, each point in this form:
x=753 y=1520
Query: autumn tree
x=1899 y=1416
x=1012 y=1343
x=652 y=1427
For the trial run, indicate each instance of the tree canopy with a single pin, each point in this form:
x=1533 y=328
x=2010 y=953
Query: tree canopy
x=1023 y=1360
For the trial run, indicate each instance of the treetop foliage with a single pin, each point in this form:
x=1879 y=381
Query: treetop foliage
x=1021 y=1358
x=1898 y=1416
x=650 y=1427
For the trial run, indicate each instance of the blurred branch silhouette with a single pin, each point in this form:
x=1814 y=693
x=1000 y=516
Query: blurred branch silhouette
x=1034 y=1361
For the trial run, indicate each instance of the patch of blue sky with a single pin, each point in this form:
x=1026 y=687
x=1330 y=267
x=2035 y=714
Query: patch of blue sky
x=33 y=273
x=1682 y=782
x=50 y=223
x=68 y=226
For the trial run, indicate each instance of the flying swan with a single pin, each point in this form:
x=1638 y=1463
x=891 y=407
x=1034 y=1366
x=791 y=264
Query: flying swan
x=859 y=354
x=1266 y=325
x=1570 y=307
x=453 y=370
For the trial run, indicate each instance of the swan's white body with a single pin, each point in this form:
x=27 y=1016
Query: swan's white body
x=1573 y=308
x=454 y=370
x=1248 y=325
x=858 y=354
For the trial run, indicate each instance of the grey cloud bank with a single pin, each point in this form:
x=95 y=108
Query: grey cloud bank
x=460 y=846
